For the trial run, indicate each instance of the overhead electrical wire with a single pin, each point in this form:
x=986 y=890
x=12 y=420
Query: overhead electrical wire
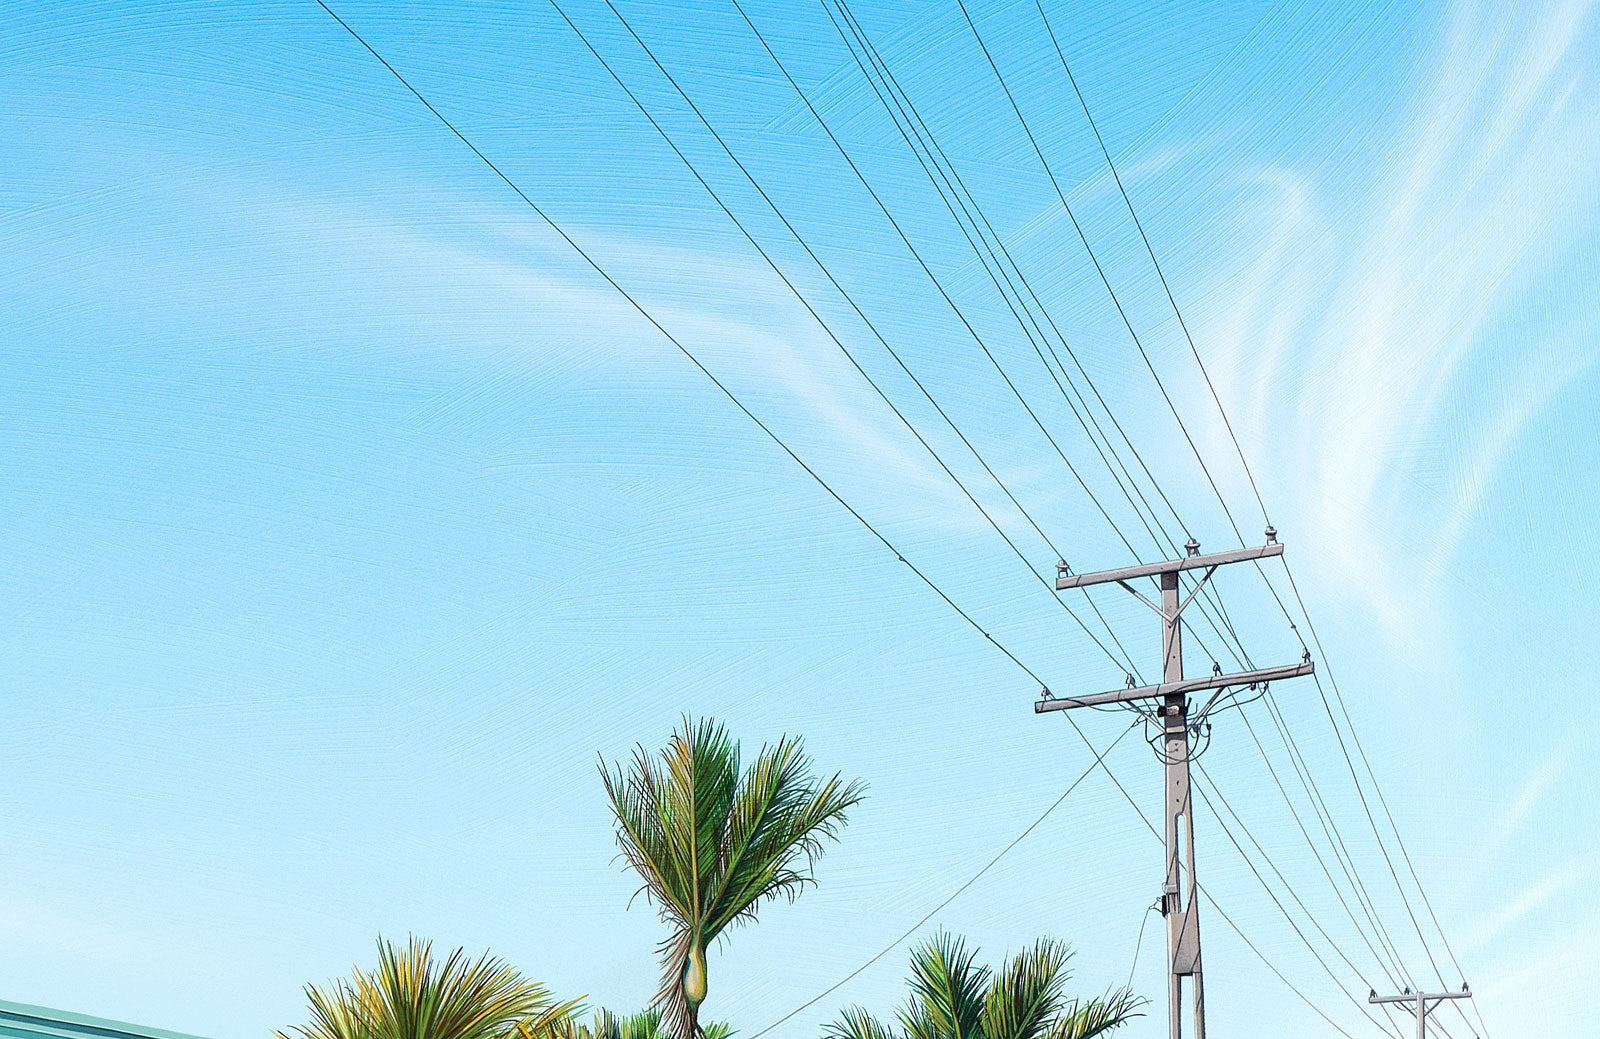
x=920 y=139
x=1207 y=894
x=1341 y=850
x=930 y=914
x=1153 y=261
x=1105 y=280
x=1260 y=501
x=1289 y=803
x=693 y=359
x=953 y=191
x=1000 y=78
x=1099 y=760
x=1273 y=866
x=771 y=434
x=928 y=271
x=915 y=132
x=1127 y=662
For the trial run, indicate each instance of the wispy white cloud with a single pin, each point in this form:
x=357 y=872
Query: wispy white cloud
x=1477 y=197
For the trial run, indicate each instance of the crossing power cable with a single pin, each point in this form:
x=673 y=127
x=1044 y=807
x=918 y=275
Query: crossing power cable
x=829 y=331
x=1292 y=987
x=692 y=104
x=1341 y=849
x=927 y=270
x=1044 y=162
x=914 y=928
x=921 y=140
x=1144 y=918
x=845 y=13
x=954 y=192
x=1153 y=261
x=1294 y=812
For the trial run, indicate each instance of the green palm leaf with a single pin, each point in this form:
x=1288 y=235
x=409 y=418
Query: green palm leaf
x=955 y=997
x=712 y=844
x=1028 y=992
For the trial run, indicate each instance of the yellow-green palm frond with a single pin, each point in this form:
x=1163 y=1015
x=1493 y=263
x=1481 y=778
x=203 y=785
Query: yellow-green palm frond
x=646 y=1024
x=412 y=995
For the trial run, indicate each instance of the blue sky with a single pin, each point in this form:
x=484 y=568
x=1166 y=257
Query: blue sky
x=349 y=516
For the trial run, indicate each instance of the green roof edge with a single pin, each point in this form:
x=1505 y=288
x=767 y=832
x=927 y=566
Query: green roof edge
x=63 y=1017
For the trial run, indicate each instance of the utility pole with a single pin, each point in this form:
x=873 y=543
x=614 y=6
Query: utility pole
x=1421 y=1000
x=1178 y=906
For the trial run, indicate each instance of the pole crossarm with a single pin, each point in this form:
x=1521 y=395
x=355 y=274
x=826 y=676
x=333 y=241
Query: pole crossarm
x=1421 y=1004
x=1169 y=566
x=1187 y=685
x=1412 y=997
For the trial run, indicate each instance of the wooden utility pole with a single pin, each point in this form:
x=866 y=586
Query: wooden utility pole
x=1177 y=904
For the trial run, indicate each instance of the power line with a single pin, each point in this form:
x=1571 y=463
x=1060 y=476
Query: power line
x=1330 y=829
x=554 y=226
x=956 y=194
x=1126 y=321
x=1384 y=803
x=1153 y=261
x=1207 y=894
x=895 y=98
x=951 y=194
x=933 y=278
x=1244 y=463
x=1222 y=824
x=827 y=329
x=733 y=398
x=1278 y=782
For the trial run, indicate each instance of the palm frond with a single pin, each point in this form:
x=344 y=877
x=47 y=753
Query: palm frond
x=856 y=1023
x=950 y=986
x=1087 y=1018
x=411 y=995
x=1026 y=994
x=779 y=816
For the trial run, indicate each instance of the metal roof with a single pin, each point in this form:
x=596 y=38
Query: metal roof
x=21 y=1021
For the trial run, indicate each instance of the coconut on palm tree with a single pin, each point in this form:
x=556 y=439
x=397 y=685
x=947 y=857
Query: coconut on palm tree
x=414 y=996
x=713 y=844
x=955 y=997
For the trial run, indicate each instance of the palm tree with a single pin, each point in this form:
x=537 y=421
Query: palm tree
x=713 y=844
x=952 y=997
x=644 y=1025
x=413 y=996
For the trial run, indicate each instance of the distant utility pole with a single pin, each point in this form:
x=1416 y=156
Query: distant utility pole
x=1421 y=1000
x=1181 y=910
